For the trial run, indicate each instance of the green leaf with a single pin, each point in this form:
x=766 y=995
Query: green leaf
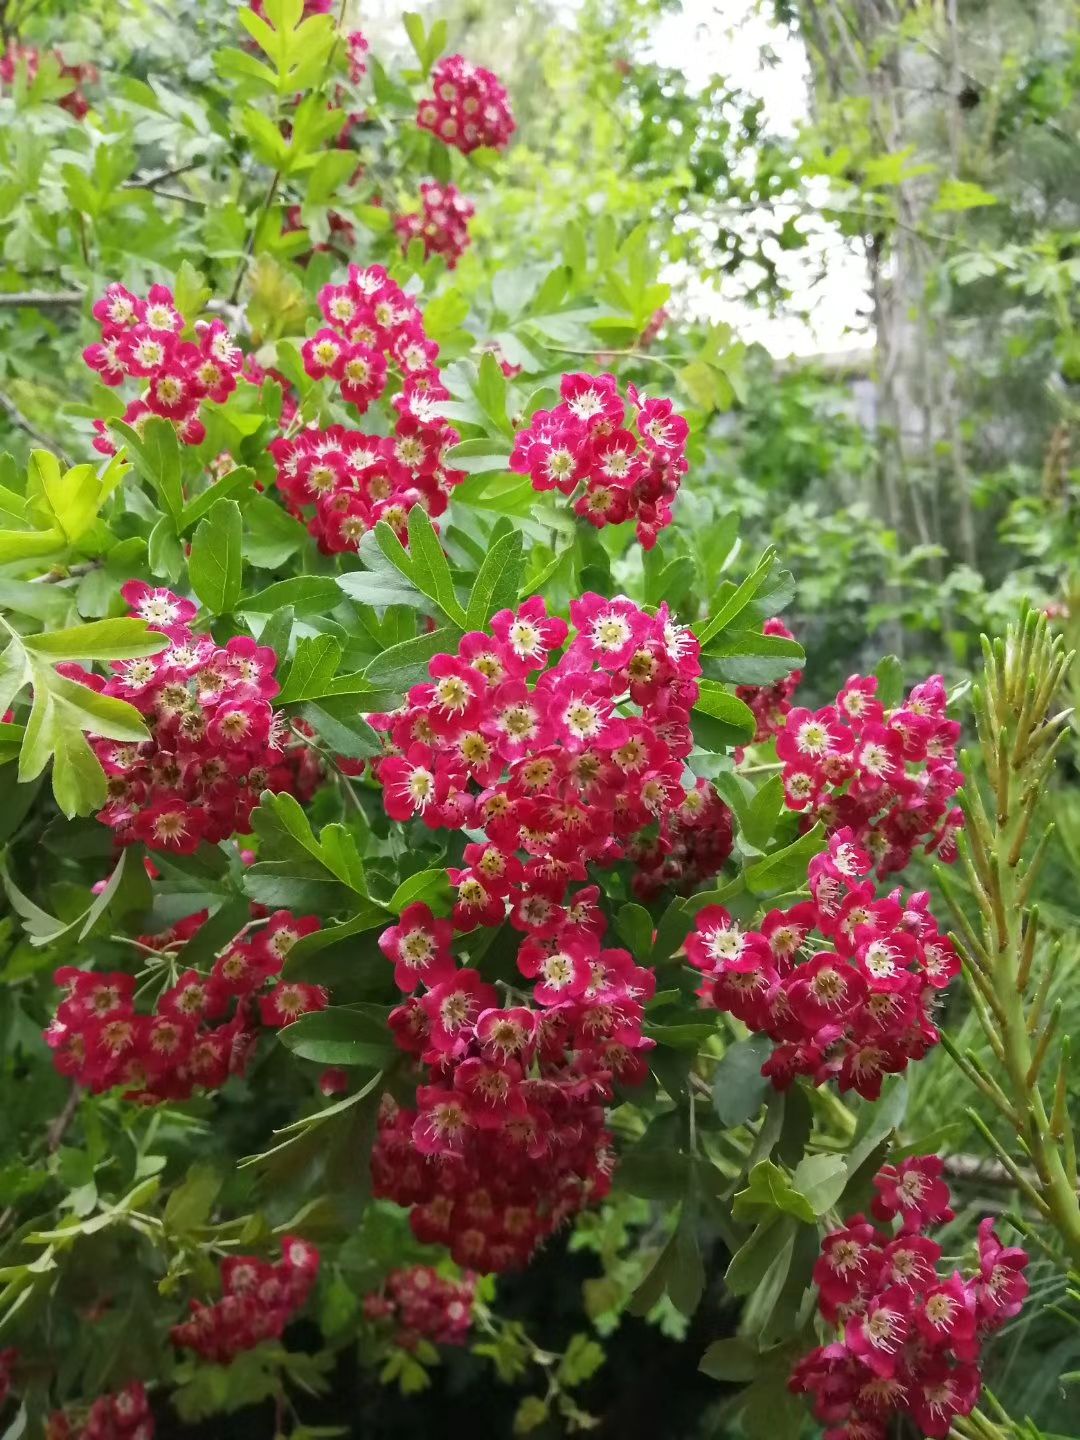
x=876 y=1122
x=890 y=678
x=786 y=869
x=758 y=820
x=634 y=924
x=739 y=599
x=962 y=195
x=747 y=657
x=430 y=570
x=480 y=457
x=339 y=1036
x=330 y=173
x=771 y=1189
x=580 y=1362
x=734 y=1360
x=312 y=671
x=491 y=393
x=61 y=712
x=497 y=582
x=296 y=868
x=344 y=731
x=414 y=28
x=216 y=562
x=100 y=640
x=240 y=479
x=407 y=664
x=720 y=720
x=191 y=291
x=739 y=1088
x=432 y=887
x=821 y=1180
x=67 y=500
x=155 y=453
x=307 y=594
x=752 y=1260
x=190 y=1204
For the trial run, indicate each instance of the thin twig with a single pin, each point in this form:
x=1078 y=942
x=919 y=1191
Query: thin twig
x=150 y=182
x=59 y=1127
x=41 y=299
x=19 y=420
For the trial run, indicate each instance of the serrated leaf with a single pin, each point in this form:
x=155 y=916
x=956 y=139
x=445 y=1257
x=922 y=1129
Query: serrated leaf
x=786 y=869
x=497 y=582
x=339 y=1036
x=215 y=565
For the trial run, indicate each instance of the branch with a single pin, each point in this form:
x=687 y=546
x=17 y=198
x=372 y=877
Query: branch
x=41 y=299
x=19 y=420
x=150 y=182
x=59 y=1127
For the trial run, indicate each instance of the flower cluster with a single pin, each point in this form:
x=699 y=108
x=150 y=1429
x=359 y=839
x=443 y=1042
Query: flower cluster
x=583 y=449
x=202 y=1028
x=123 y=1416
x=28 y=59
x=889 y=775
x=340 y=483
x=442 y=222
x=688 y=850
x=910 y=1338
x=215 y=740
x=424 y=1305
x=469 y=107
x=257 y=1302
x=771 y=704
x=356 y=47
x=141 y=339
x=370 y=324
x=856 y=1012
x=555 y=776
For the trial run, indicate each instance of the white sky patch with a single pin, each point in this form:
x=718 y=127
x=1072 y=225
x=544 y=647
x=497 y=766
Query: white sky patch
x=726 y=38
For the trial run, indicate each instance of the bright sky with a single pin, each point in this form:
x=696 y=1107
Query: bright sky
x=707 y=37
x=726 y=36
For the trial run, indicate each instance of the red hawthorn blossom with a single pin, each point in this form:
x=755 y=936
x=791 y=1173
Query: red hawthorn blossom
x=357 y=47
x=442 y=222
x=339 y=482
x=855 y=1012
x=257 y=1302
x=1002 y=1285
x=889 y=776
x=468 y=108
x=99 y=1038
x=28 y=58
x=544 y=755
x=125 y=1415
x=421 y=1304
x=909 y=1337
x=141 y=339
x=611 y=473
x=215 y=740
x=915 y=1191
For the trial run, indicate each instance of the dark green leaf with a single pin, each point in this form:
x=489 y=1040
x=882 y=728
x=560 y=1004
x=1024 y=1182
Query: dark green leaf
x=216 y=563
x=739 y=1088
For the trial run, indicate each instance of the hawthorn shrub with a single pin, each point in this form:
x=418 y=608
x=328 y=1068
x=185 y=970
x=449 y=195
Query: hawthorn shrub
x=414 y=843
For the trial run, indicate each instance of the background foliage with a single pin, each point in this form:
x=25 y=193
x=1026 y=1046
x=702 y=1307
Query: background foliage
x=915 y=491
